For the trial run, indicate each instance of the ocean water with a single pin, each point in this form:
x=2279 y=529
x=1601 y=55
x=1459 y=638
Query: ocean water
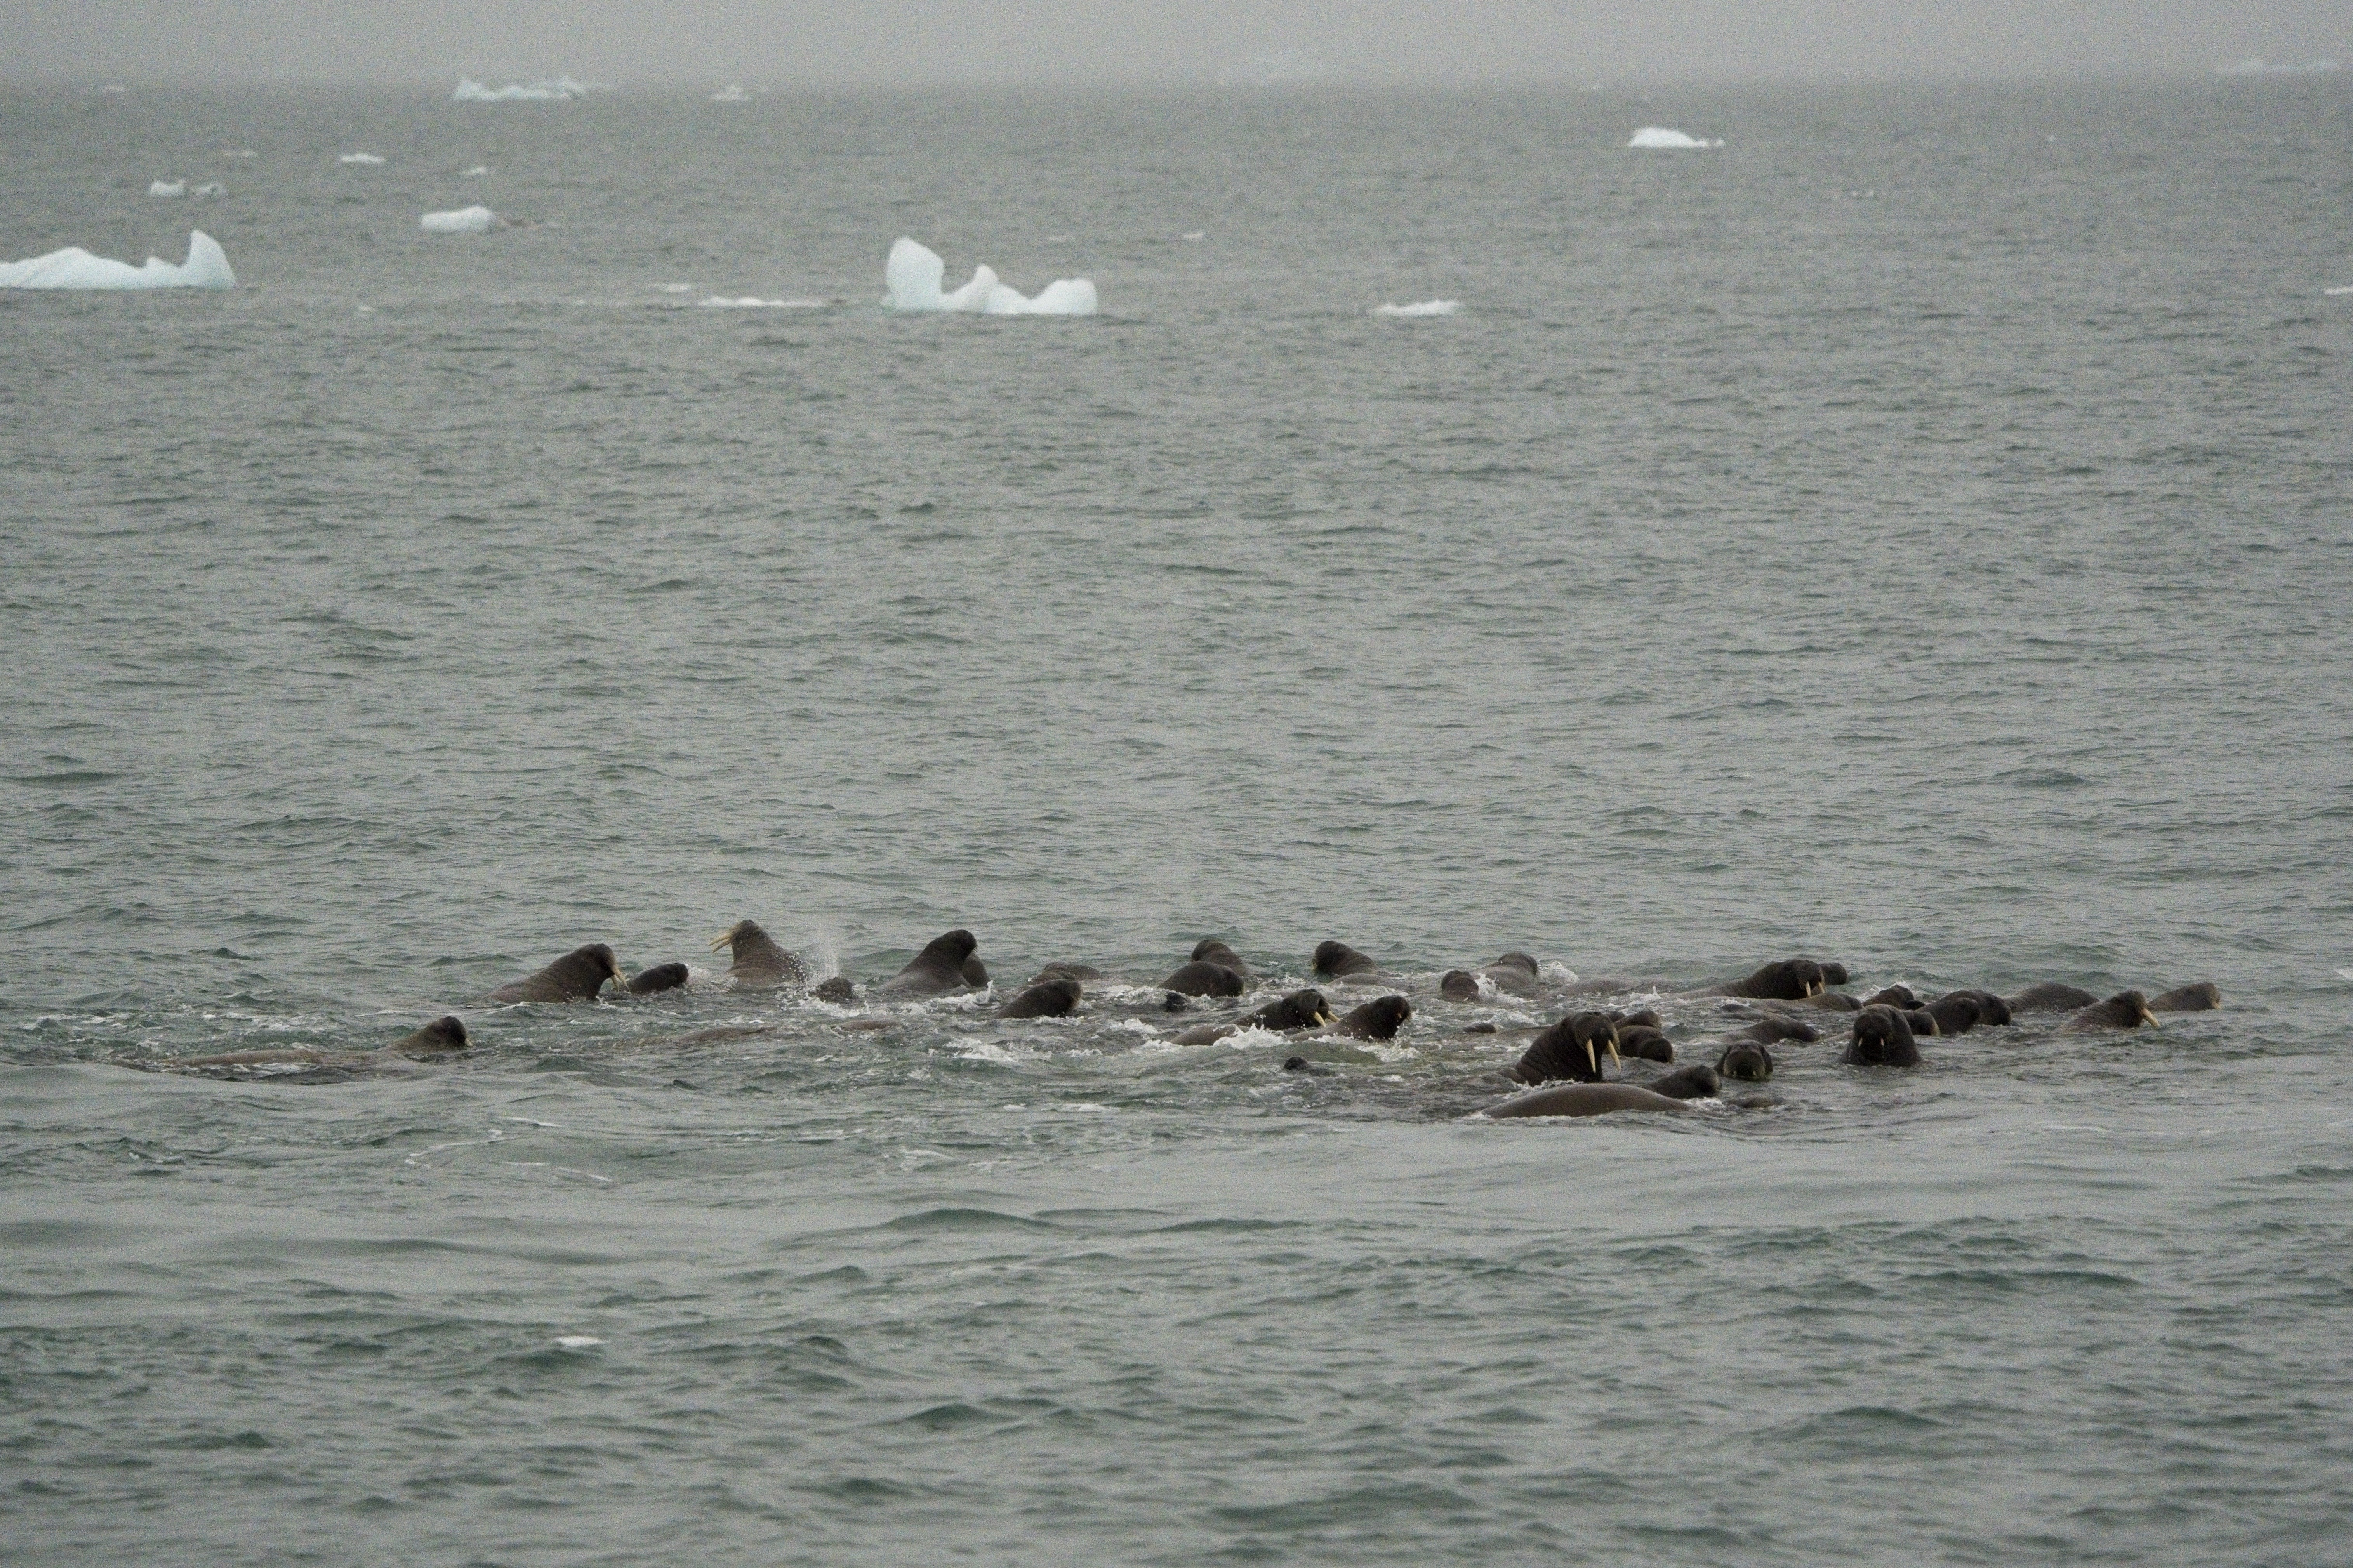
x=1916 y=534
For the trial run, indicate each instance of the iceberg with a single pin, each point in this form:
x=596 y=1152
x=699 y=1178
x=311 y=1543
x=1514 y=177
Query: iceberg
x=1660 y=136
x=1424 y=308
x=912 y=274
x=475 y=173
x=731 y=94
x=753 y=303
x=548 y=89
x=461 y=220
x=74 y=268
x=368 y=158
x=167 y=188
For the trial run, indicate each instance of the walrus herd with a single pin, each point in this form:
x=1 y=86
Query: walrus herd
x=1565 y=1070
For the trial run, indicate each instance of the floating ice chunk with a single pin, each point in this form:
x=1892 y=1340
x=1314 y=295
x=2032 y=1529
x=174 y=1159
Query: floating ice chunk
x=167 y=187
x=461 y=220
x=548 y=89
x=731 y=94
x=2347 y=289
x=1422 y=308
x=212 y=190
x=753 y=303
x=475 y=173
x=912 y=274
x=577 y=1342
x=1660 y=136
x=1197 y=233
x=111 y=87
x=368 y=158
x=74 y=268
x=237 y=153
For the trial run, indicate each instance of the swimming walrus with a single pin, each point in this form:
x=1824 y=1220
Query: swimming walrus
x=2050 y=997
x=1697 y=1082
x=1571 y=1050
x=1775 y=1026
x=1300 y=1010
x=1081 y=972
x=2125 y=1010
x=756 y=959
x=440 y=1038
x=577 y=976
x=1337 y=960
x=1056 y=996
x=1585 y=1099
x=1882 y=1038
x=1644 y=1042
x=1210 y=949
x=1956 y=1012
x=1899 y=997
x=1379 y=1019
x=833 y=988
x=1783 y=979
x=1514 y=973
x=1204 y=977
x=2202 y=998
x=940 y=968
x=1747 y=1060
x=660 y=977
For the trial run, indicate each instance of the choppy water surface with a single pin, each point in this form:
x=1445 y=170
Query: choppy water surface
x=1914 y=534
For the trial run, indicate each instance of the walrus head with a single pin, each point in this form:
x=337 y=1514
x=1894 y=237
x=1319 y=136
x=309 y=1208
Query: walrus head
x=1459 y=985
x=1569 y=1049
x=1338 y=958
x=1300 y=1010
x=1210 y=949
x=1892 y=996
x=1747 y=1060
x=742 y=930
x=1882 y=1038
x=1379 y=1019
x=1697 y=1082
x=2202 y=998
x=660 y=977
x=1956 y=1012
x=443 y=1034
x=2129 y=1010
x=1057 y=996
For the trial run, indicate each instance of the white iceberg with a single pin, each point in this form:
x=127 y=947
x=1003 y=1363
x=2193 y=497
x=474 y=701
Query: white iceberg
x=475 y=173
x=167 y=188
x=368 y=158
x=74 y=268
x=913 y=272
x=461 y=220
x=1422 y=307
x=731 y=94
x=753 y=303
x=1660 y=136
x=548 y=89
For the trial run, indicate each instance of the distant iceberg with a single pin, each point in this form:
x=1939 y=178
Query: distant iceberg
x=731 y=94
x=368 y=158
x=461 y=220
x=548 y=89
x=475 y=173
x=74 y=268
x=1660 y=136
x=912 y=274
x=1425 y=307
x=2259 y=68
x=753 y=303
x=167 y=188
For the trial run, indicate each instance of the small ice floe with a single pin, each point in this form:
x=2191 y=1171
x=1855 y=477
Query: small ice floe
x=476 y=173
x=753 y=303
x=675 y=287
x=548 y=89
x=211 y=190
x=1421 y=307
x=74 y=268
x=239 y=153
x=368 y=158
x=112 y=86
x=2260 y=67
x=913 y=273
x=167 y=187
x=731 y=94
x=2334 y=293
x=1197 y=233
x=577 y=1342
x=461 y=220
x=1660 y=136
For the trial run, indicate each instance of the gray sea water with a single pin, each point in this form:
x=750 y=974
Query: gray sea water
x=1914 y=534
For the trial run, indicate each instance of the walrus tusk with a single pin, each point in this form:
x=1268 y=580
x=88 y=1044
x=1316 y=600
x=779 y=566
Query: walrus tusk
x=1613 y=1056
x=1591 y=1060
x=723 y=939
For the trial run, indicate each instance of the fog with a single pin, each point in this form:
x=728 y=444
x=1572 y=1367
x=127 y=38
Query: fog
x=916 y=42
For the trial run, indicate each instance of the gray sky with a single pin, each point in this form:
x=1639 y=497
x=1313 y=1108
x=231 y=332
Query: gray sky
x=792 y=41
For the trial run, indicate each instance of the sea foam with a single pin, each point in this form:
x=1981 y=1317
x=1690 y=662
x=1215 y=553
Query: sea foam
x=1660 y=136
x=1422 y=307
x=74 y=268
x=912 y=274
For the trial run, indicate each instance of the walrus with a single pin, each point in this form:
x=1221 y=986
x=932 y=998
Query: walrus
x=974 y=972
x=1638 y=1017
x=1585 y=1099
x=2202 y=998
x=1571 y=1050
x=756 y=959
x=935 y=971
x=1081 y=972
x=833 y=988
x=2125 y=1010
x=1210 y=949
x=1956 y=1012
x=1747 y=1060
x=1300 y=1010
x=440 y=1038
x=1881 y=1039
x=1337 y=960
x=1379 y=1019
x=1514 y=972
x=1204 y=977
x=1054 y=998
x=2049 y=997
x=1783 y=979
x=1992 y=1011
x=1697 y=1082
x=1646 y=1043
x=1921 y=1022
x=1899 y=997
x=1833 y=973
x=1773 y=1026
x=577 y=976
x=660 y=977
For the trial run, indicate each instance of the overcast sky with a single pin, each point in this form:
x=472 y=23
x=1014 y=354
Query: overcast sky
x=915 y=41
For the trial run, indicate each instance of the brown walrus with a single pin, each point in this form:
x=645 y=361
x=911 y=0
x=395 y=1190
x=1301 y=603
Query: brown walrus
x=756 y=959
x=577 y=976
